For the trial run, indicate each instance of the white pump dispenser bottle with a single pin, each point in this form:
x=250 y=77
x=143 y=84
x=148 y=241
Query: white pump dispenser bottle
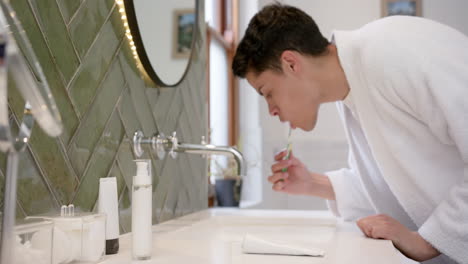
x=142 y=211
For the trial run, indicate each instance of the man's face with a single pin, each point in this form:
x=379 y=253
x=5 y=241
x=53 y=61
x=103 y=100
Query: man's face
x=288 y=96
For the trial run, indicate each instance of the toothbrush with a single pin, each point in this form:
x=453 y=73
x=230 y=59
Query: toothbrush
x=288 y=149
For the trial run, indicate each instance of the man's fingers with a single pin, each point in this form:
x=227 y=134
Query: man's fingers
x=374 y=227
x=279 y=185
x=364 y=226
x=376 y=231
x=278 y=176
x=379 y=233
x=291 y=155
x=280 y=155
x=361 y=226
x=280 y=165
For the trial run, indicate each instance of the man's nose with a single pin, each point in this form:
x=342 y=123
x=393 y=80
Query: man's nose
x=273 y=111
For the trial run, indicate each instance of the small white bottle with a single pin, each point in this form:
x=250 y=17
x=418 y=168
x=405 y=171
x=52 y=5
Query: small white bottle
x=108 y=204
x=142 y=237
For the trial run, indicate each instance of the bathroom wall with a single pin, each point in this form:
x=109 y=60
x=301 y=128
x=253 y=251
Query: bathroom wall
x=103 y=101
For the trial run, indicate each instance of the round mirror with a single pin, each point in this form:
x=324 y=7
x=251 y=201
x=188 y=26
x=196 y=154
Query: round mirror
x=163 y=33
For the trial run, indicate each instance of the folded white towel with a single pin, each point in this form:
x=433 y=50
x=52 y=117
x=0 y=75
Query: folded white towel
x=255 y=245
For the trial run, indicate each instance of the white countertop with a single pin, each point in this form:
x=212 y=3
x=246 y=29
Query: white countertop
x=215 y=236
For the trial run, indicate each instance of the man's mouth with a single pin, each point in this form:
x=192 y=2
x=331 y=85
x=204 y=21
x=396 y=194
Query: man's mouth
x=290 y=125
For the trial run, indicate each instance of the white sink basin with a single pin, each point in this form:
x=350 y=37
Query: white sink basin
x=215 y=236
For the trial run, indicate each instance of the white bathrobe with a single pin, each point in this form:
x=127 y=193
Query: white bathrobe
x=406 y=120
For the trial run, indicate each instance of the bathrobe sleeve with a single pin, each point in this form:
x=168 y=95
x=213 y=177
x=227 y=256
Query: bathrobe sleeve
x=447 y=116
x=351 y=201
x=438 y=98
x=414 y=75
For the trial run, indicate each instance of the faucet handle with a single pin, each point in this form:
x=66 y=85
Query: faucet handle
x=137 y=138
x=203 y=142
x=174 y=145
x=158 y=145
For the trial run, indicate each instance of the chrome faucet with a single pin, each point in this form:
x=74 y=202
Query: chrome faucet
x=212 y=149
x=170 y=144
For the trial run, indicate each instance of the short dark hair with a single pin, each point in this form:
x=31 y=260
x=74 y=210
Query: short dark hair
x=271 y=31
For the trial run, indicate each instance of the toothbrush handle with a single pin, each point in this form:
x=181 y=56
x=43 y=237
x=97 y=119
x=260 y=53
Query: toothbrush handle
x=286 y=158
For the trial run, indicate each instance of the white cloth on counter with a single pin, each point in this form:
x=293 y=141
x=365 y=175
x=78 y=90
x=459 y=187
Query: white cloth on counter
x=406 y=121
x=255 y=245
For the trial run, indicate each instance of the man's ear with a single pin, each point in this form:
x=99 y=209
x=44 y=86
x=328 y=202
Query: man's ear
x=290 y=61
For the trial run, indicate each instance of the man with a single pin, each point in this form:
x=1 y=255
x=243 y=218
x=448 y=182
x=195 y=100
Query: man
x=401 y=86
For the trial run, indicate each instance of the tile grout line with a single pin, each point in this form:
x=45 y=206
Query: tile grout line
x=76 y=12
x=68 y=33
x=122 y=119
x=119 y=202
x=99 y=88
x=86 y=54
x=88 y=162
x=67 y=160
x=167 y=119
x=117 y=164
x=194 y=96
x=79 y=115
x=98 y=33
x=126 y=129
x=62 y=78
x=120 y=112
x=189 y=124
x=148 y=104
x=158 y=126
x=42 y=173
x=20 y=206
x=125 y=185
x=90 y=46
x=187 y=176
x=166 y=195
x=138 y=118
x=46 y=40
x=190 y=165
x=148 y=107
x=152 y=112
x=65 y=85
x=172 y=181
x=166 y=191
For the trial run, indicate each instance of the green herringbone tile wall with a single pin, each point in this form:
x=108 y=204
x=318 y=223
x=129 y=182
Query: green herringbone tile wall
x=103 y=101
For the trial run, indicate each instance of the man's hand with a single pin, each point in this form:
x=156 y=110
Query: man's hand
x=410 y=243
x=297 y=179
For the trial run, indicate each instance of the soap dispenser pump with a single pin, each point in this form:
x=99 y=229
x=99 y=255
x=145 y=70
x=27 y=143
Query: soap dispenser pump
x=142 y=211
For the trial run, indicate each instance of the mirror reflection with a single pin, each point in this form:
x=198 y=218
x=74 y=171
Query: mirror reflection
x=163 y=32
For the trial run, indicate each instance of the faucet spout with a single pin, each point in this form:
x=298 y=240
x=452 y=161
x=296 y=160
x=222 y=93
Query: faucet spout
x=170 y=144
x=212 y=149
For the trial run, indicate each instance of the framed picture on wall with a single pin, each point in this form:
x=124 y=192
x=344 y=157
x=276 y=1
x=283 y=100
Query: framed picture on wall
x=184 y=20
x=401 y=7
